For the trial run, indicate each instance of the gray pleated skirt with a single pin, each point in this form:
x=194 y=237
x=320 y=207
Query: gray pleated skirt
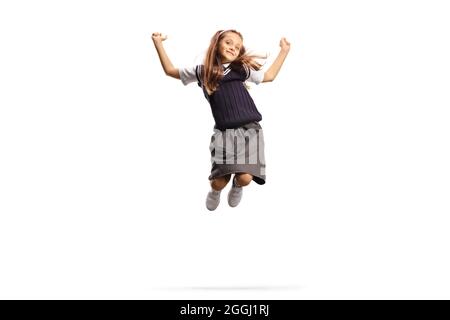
x=238 y=150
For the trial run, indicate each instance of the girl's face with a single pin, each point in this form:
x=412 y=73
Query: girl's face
x=230 y=47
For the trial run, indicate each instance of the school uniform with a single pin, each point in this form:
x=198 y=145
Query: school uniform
x=237 y=144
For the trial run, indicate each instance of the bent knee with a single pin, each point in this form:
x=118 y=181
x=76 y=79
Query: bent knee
x=220 y=182
x=243 y=179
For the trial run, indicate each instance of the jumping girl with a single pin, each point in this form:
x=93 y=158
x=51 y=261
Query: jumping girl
x=237 y=144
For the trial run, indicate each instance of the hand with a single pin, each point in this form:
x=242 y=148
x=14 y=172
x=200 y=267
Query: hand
x=158 y=38
x=284 y=44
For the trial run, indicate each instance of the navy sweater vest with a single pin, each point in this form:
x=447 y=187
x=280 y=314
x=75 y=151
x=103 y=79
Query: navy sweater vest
x=231 y=104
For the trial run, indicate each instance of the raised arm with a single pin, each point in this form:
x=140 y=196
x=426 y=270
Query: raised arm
x=167 y=65
x=272 y=72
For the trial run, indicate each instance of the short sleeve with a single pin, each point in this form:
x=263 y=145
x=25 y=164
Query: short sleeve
x=256 y=76
x=187 y=75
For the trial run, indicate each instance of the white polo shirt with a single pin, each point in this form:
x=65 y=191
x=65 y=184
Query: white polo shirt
x=187 y=75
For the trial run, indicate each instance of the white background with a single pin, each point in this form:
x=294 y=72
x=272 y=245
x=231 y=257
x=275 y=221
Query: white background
x=104 y=160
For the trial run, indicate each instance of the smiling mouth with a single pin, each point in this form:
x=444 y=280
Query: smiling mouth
x=230 y=53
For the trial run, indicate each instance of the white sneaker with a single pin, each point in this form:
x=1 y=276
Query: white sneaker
x=235 y=194
x=213 y=199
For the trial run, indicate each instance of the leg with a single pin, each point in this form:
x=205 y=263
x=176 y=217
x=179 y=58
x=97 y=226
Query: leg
x=220 y=182
x=243 y=179
x=213 y=197
x=235 y=194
